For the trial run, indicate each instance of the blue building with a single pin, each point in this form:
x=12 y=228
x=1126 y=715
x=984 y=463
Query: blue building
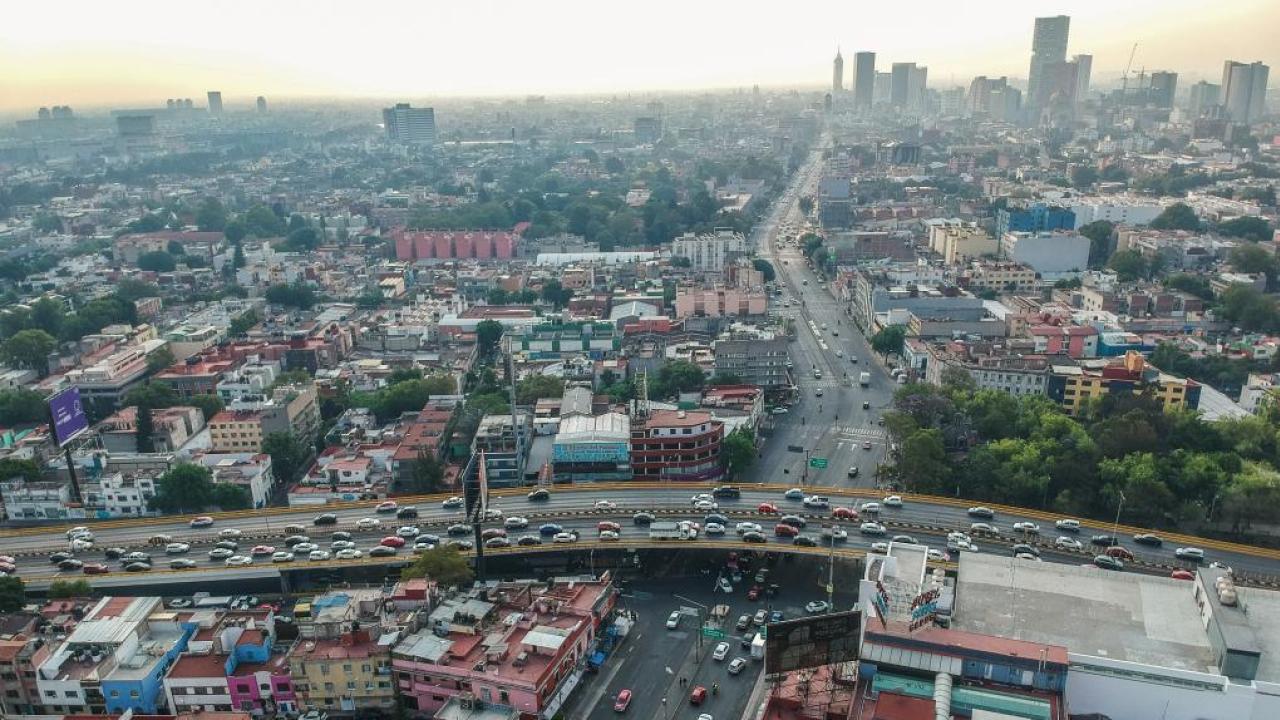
x=1034 y=218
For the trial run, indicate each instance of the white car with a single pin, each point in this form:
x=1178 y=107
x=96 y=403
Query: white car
x=176 y=548
x=318 y=555
x=871 y=528
x=565 y=537
x=706 y=505
x=937 y=555
x=492 y=514
x=408 y=531
x=956 y=536
x=1068 y=525
x=229 y=533
x=220 y=553
x=453 y=503
x=817 y=501
x=515 y=522
x=368 y=524
x=1027 y=556
x=239 y=561
x=870 y=507
x=1189 y=553
x=1067 y=543
x=745 y=527
x=880 y=547
x=713 y=529
x=893 y=501
x=349 y=554
x=608 y=536
x=78 y=531
x=282 y=557
x=984 y=527
x=837 y=534
x=80 y=544
x=606 y=505
x=1026 y=527
x=794 y=494
x=306 y=547
x=701 y=497
x=817 y=607
x=737 y=665
x=721 y=652
x=342 y=545
x=673 y=620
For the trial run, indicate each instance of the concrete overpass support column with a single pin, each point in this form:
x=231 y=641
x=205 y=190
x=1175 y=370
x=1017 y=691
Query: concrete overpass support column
x=942 y=697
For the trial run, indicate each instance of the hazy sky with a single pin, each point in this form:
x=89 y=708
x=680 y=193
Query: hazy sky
x=92 y=52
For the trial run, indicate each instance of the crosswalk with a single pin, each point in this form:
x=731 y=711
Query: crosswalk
x=856 y=431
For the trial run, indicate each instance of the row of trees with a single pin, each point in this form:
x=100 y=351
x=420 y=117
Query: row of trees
x=190 y=488
x=1173 y=468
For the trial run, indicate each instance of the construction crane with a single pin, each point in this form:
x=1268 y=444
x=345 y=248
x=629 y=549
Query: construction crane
x=1124 y=83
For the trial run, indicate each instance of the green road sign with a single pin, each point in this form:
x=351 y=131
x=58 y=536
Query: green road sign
x=714 y=633
x=817 y=462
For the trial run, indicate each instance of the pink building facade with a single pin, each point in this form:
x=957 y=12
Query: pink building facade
x=454 y=244
x=719 y=302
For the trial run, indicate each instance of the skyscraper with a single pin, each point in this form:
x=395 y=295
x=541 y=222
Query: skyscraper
x=262 y=105
x=1204 y=97
x=215 y=102
x=1244 y=90
x=864 y=79
x=900 y=89
x=837 y=74
x=917 y=82
x=1164 y=85
x=1048 y=48
x=410 y=125
x=1084 y=67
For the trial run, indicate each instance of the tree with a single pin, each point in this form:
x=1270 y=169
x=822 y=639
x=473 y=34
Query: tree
x=537 y=387
x=298 y=295
x=261 y=222
x=145 y=430
x=1253 y=259
x=1128 y=265
x=303 y=239
x=738 y=452
x=1193 y=284
x=1178 y=216
x=923 y=460
x=427 y=475
x=889 y=340
x=1247 y=227
x=1083 y=176
x=681 y=261
x=234 y=232
x=29 y=349
x=155 y=395
x=289 y=455
x=675 y=377
x=184 y=488
x=160 y=359
x=13 y=594
x=237 y=256
x=209 y=405
x=211 y=216
x=244 y=323
x=557 y=295
x=26 y=469
x=20 y=407
x=59 y=589
x=488 y=332
x=45 y=223
x=130 y=289
x=765 y=268
x=806 y=204
x=229 y=496
x=442 y=563
x=157 y=261
x=1099 y=234
x=176 y=249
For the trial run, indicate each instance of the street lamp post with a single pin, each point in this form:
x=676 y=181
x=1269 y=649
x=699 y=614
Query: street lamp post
x=1116 y=525
x=697 y=652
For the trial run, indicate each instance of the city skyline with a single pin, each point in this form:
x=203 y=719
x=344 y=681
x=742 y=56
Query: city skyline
x=293 y=50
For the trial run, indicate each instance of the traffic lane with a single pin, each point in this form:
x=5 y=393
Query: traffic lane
x=642 y=662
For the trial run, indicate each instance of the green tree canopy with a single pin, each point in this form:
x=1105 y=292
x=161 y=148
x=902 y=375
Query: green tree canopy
x=1129 y=265
x=289 y=455
x=21 y=407
x=1178 y=216
x=738 y=452
x=1248 y=227
x=676 y=377
x=261 y=222
x=488 y=332
x=29 y=349
x=889 y=340
x=444 y=564
x=298 y=295
x=184 y=488
x=537 y=387
x=1099 y=234
x=13 y=594
x=26 y=469
x=211 y=215
x=59 y=589
x=765 y=268
x=157 y=261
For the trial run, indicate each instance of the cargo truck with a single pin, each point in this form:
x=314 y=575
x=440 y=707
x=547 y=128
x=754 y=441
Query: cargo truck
x=757 y=647
x=864 y=379
x=682 y=530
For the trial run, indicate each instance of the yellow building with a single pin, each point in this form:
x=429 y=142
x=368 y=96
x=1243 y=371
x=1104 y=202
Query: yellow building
x=236 y=431
x=1074 y=386
x=345 y=674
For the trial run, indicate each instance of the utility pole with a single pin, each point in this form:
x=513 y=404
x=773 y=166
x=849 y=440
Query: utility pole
x=697 y=652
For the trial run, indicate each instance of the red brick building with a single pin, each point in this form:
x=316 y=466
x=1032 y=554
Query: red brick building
x=677 y=445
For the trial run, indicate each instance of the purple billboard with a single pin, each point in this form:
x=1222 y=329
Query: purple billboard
x=69 y=419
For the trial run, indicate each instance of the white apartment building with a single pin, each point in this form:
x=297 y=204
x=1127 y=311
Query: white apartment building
x=1052 y=254
x=961 y=242
x=710 y=253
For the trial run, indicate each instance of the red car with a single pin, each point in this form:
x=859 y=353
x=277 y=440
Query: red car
x=844 y=513
x=623 y=701
x=698 y=695
x=1182 y=575
x=754 y=592
x=608 y=525
x=768 y=508
x=260 y=550
x=785 y=530
x=392 y=541
x=95 y=569
x=1119 y=553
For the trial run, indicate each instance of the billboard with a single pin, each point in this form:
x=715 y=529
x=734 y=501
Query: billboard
x=812 y=641
x=69 y=419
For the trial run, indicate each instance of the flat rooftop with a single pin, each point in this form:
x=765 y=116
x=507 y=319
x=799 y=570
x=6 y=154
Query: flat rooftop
x=1263 y=617
x=1117 y=615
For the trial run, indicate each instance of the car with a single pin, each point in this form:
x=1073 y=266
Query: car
x=866 y=404
x=673 y=620
x=1067 y=543
x=387 y=506
x=737 y=665
x=341 y=545
x=8 y=568
x=115 y=553
x=87 y=569
x=767 y=509
x=746 y=527
x=453 y=503
x=608 y=536
x=643 y=518
x=491 y=533
x=183 y=564
x=905 y=540
x=1106 y=562
x=459 y=529
x=221 y=553
x=340 y=535
x=497 y=542
x=1027 y=556
x=180 y=603
x=698 y=695
x=818 y=392
x=137 y=556
x=1026 y=528
x=721 y=652
x=622 y=701
x=515 y=522
x=853 y=471
x=8 y=559
x=819 y=502
x=550 y=529
x=304 y=548
x=539 y=495
x=427 y=538
x=844 y=513
x=492 y=514
x=282 y=557
x=408 y=512
x=880 y=547
x=871 y=528
x=794 y=494
x=1068 y=525
x=893 y=501
x=605 y=505
x=392 y=541
x=836 y=534
x=1118 y=552
x=81 y=544
x=293 y=540
x=727 y=491
x=408 y=531
x=348 y=554
x=785 y=530
x=1025 y=549
x=368 y=524
x=870 y=507
x=318 y=555
x=227 y=544
x=1182 y=575
x=238 y=561
x=137 y=567
x=866 y=444
x=936 y=555
x=980 y=511
x=817 y=607
x=1148 y=539
x=705 y=505
x=79 y=531
x=754 y=537
x=793 y=520
x=176 y=548
x=711 y=528
x=761 y=617
x=295 y=529
x=325 y=519
x=984 y=527
x=382 y=551
x=564 y=537
x=528 y=540
x=608 y=525
x=262 y=550
x=715 y=518
x=804 y=541
x=1104 y=540
x=229 y=533
x=744 y=621
x=1194 y=554
x=776 y=616
x=202 y=521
